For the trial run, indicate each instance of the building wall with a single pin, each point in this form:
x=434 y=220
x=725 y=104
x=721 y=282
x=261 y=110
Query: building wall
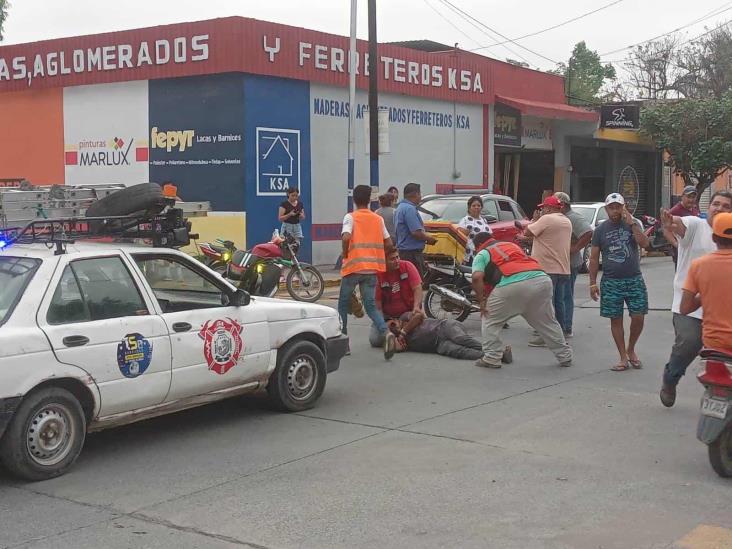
x=32 y=141
x=723 y=182
x=105 y=133
x=277 y=146
x=196 y=138
x=421 y=137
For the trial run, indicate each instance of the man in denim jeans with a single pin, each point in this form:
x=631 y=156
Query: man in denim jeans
x=552 y=235
x=581 y=238
x=364 y=237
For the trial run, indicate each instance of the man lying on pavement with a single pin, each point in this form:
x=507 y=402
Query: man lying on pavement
x=446 y=337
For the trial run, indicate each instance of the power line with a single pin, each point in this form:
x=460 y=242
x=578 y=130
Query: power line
x=710 y=31
x=453 y=25
x=464 y=13
x=470 y=20
x=714 y=13
x=568 y=21
x=706 y=33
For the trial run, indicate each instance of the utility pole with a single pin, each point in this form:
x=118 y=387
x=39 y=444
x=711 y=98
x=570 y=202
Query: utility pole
x=352 y=60
x=373 y=98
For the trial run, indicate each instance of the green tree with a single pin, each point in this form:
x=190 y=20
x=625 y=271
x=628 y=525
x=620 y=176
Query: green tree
x=584 y=75
x=696 y=133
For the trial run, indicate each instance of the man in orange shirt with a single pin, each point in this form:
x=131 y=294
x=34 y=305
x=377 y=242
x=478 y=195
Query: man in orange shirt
x=707 y=286
x=364 y=237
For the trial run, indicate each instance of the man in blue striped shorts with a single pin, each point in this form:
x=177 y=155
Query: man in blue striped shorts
x=622 y=283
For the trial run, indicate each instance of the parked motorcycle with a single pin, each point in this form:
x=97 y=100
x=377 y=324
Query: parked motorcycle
x=715 y=423
x=654 y=232
x=448 y=288
x=217 y=255
x=258 y=271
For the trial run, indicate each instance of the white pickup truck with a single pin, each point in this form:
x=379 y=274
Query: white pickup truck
x=95 y=335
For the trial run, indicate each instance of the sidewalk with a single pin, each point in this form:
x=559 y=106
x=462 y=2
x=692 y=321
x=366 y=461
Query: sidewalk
x=332 y=276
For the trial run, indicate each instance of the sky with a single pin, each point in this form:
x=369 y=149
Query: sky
x=624 y=23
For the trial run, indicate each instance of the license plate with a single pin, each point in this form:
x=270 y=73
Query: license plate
x=714 y=408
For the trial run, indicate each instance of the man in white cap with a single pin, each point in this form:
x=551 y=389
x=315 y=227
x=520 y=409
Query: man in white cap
x=622 y=283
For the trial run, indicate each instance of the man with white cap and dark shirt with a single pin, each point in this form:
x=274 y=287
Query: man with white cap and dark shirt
x=622 y=283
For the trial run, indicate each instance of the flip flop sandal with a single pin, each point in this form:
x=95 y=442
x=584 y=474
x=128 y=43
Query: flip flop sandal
x=636 y=364
x=621 y=367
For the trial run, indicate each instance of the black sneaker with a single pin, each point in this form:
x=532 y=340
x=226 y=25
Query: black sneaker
x=507 y=357
x=668 y=395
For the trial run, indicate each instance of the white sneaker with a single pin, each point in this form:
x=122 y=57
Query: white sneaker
x=389 y=346
x=537 y=342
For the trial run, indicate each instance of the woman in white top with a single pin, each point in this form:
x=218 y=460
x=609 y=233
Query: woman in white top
x=471 y=225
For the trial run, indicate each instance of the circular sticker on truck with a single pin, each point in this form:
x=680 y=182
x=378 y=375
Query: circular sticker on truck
x=134 y=354
x=222 y=344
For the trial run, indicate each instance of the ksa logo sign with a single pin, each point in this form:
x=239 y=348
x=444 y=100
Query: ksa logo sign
x=278 y=161
x=115 y=152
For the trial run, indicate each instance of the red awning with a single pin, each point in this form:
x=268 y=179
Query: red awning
x=549 y=110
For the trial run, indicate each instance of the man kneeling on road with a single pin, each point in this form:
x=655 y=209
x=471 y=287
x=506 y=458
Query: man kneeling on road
x=398 y=291
x=520 y=288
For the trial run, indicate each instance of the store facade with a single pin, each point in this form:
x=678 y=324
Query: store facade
x=234 y=111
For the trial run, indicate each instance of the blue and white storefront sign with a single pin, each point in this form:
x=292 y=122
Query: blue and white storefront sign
x=278 y=161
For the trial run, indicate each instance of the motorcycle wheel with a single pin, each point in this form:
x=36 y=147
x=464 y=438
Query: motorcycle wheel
x=436 y=307
x=307 y=287
x=720 y=453
x=218 y=266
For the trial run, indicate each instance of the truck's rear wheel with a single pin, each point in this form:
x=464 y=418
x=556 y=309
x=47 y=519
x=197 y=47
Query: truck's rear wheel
x=45 y=436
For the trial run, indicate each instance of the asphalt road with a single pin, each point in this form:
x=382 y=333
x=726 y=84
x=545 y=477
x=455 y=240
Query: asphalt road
x=417 y=452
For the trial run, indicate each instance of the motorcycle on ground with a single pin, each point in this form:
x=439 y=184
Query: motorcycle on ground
x=715 y=423
x=654 y=232
x=258 y=271
x=449 y=291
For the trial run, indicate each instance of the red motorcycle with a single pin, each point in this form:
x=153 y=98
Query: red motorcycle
x=715 y=423
x=217 y=256
x=259 y=270
x=654 y=232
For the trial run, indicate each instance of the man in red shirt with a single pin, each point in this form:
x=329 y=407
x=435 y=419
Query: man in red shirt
x=687 y=206
x=398 y=291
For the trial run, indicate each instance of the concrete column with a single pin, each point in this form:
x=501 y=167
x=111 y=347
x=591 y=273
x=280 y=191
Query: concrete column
x=562 y=157
x=491 y=146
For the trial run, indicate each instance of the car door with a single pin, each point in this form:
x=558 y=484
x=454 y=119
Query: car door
x=215 y=345
x=96 y=318
x=504 y=228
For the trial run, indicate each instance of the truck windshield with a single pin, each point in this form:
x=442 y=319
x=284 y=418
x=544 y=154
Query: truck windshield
x=15 y=273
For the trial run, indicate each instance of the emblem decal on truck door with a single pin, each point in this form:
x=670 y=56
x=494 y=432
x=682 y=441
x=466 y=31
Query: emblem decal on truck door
x=222 y=344
x=134 y=354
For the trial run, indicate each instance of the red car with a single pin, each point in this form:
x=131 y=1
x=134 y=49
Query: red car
x=500 y=211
